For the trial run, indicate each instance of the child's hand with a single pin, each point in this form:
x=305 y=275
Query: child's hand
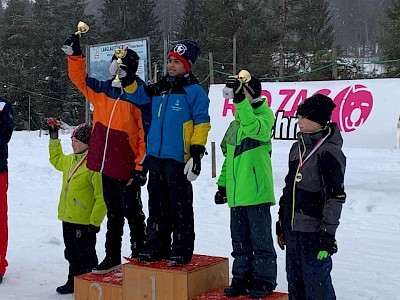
x=327 y=245
x=53 y=126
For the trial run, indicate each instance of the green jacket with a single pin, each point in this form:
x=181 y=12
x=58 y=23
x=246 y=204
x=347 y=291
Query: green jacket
x=247 y=169
x=81 y=200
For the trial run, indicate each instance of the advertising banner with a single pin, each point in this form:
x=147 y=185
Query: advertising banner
x=100 y=58
x=367 y=111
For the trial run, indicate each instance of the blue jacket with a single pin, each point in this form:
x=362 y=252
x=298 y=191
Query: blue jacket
x=6 y=129
x=179 y=116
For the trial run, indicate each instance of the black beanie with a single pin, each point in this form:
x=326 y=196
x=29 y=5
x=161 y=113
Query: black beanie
x=82 y=133
x=187 y=51
x=131 y=60
x=317 y=108
x=253 y=87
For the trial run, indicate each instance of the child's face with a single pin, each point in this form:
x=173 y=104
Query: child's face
x=307 y=125
x=175 y=67
x=78 y=146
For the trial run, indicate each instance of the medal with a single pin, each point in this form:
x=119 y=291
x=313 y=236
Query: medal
x=298 y=177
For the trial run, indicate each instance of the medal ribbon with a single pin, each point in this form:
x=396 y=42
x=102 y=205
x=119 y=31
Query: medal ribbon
x=317 y=145
x=76 y=167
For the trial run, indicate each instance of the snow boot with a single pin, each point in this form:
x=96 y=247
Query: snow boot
x=237 y=288
x=106 y=266
x=260 y=289
x=67 y=288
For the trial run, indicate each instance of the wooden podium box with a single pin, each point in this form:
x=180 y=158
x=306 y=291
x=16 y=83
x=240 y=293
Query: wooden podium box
x=159 y=281
x=219 y=295
x=94 y=287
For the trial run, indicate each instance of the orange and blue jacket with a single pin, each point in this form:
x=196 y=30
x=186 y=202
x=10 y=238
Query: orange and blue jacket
x=117 y=145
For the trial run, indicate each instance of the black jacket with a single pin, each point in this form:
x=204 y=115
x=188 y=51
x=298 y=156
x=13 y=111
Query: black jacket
x=6 y=129
x=314 y=203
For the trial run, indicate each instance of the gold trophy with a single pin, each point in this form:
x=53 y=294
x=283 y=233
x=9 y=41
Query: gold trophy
x=82 y=28
x=119 y=54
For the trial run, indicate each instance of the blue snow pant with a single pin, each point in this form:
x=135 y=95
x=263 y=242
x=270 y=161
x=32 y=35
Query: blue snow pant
x=170 y=209
x=308 y=277
x=123 y=202
x=252 y=242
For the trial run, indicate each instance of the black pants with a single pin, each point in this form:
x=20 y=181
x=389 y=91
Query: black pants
x=252 y=243
x=123 y=202
x=170 y=209
x=80 y=249
x=308 y=277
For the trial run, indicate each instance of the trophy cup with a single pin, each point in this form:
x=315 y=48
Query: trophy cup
x=82 y=28
x=119 y=54
x=244 y=76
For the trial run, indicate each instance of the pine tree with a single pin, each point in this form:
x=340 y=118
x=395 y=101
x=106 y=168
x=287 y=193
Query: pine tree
x=124 y=20
x=389 y=44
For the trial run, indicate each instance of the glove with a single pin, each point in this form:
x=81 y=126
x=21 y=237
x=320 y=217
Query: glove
x=72 y=45
x=193 y=166
x=53 y=127
x=93 y=228
x=126 y=76
x=237 y=86
x=220 y=195
x=280 y=234
x=140 y=177
x=327 y=245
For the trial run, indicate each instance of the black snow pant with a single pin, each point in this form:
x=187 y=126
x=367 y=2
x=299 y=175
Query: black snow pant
x=80 y=249
x=253 y=247
x=308 y=277
x=170 y=209
x=123 y=202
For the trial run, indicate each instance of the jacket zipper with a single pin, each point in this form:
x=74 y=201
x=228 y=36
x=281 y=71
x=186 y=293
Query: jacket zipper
x=255 y=178
x=107 y=134
x=163 y=118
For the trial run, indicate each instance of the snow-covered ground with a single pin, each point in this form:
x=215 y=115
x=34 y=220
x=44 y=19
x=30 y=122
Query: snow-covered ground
x=366 y=266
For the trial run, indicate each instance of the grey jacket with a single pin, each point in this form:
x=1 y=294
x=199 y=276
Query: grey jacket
x=314 y=203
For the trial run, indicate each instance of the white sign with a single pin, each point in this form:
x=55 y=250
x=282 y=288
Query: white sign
x=100 y=58
x=367 y=111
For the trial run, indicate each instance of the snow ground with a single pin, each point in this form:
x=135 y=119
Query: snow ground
x=366 y=266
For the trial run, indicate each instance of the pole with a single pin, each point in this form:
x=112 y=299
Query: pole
x=234 y=56
x=213 y=161
x=334 y=62
x=211 y=66
x=29 y=113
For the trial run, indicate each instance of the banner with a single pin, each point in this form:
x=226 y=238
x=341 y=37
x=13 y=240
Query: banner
x=367 y=111
x=100 y=58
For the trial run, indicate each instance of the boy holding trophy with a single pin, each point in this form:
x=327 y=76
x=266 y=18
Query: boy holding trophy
x=117 y=147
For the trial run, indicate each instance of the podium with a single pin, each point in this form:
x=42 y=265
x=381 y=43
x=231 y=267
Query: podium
x=219 y=295
x=159 y=281
x=205 y=277
x=94 y=287
x=155 y=281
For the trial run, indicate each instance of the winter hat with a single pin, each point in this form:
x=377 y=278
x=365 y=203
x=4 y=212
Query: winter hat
x=131 y=60
x=187 y=51
x=317 y=108
x=82 y=133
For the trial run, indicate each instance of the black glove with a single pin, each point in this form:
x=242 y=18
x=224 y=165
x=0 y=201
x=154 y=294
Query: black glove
x=280 y=234
x=72 y=45
x=193 y=166
x=237 y=86
x=53 y=127
x=220 y=195
x=140 y=177
x=93 y=228
x=128 y=78
x=327 y=245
